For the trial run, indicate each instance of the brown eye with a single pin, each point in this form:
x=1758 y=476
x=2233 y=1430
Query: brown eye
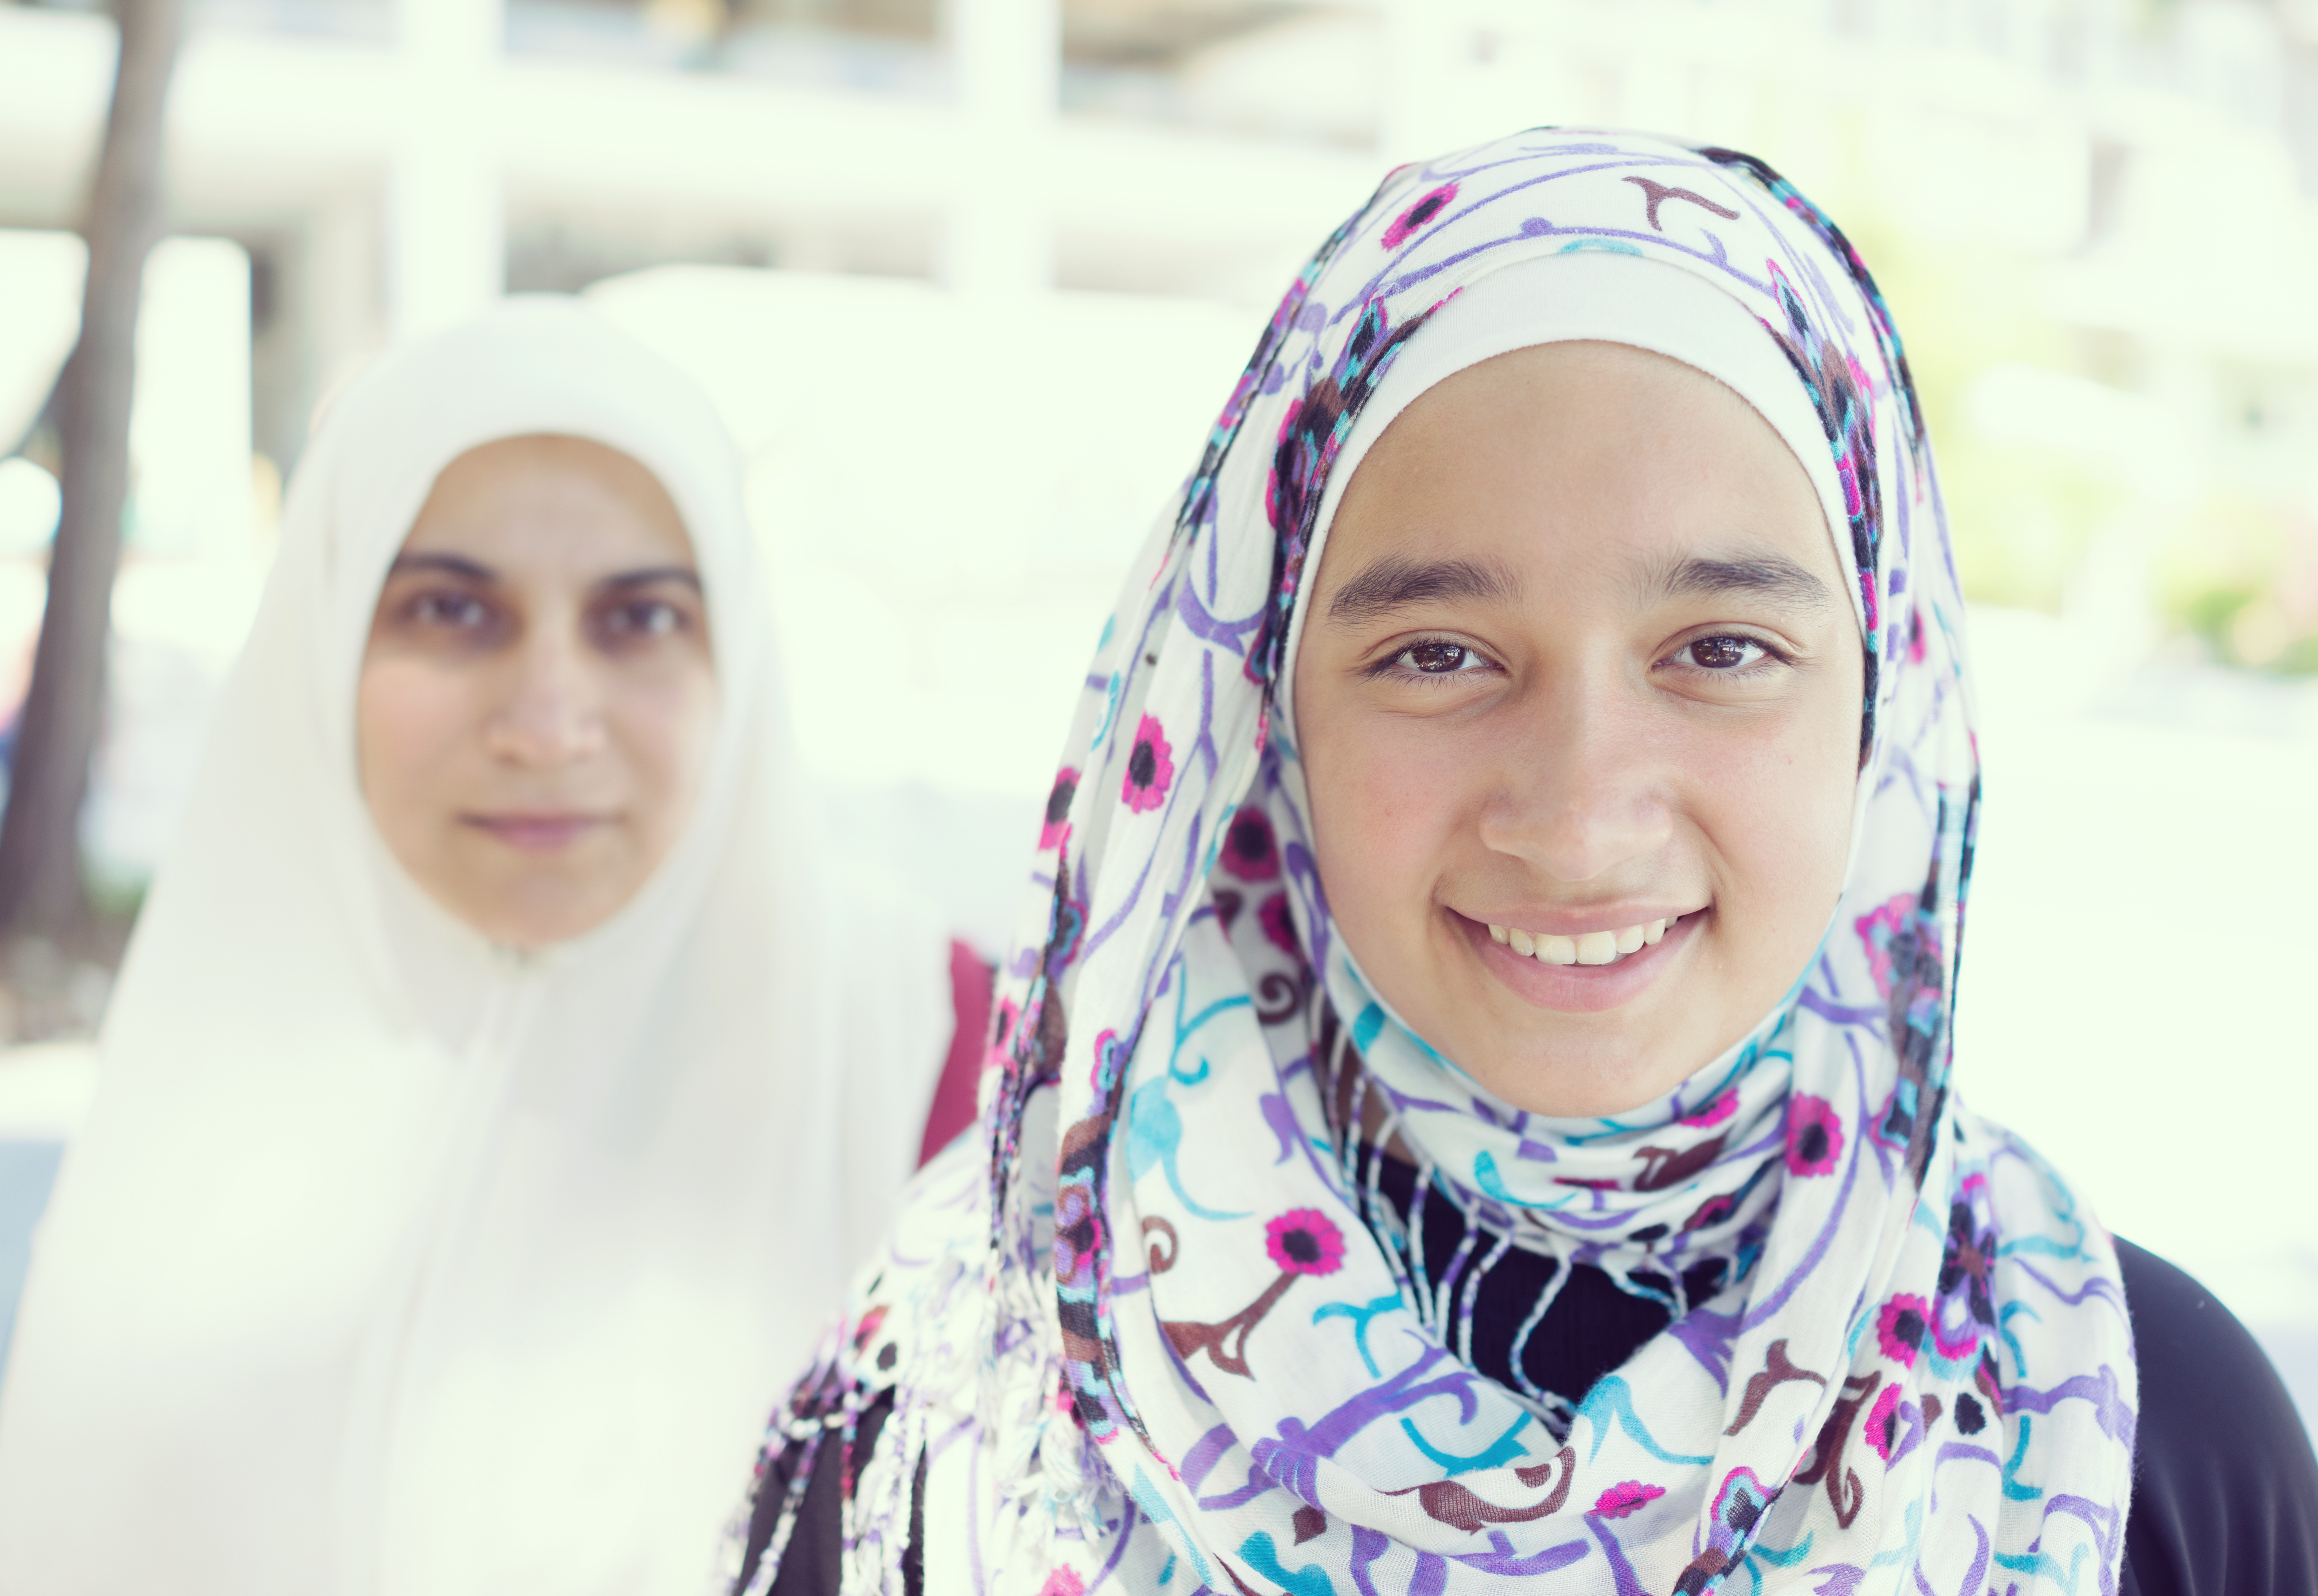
x=457 y=611
x=645 y=618
x=1724 y=653
x=1437 y=658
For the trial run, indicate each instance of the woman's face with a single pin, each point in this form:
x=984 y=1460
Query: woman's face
x=537 y=698
x=1579 y=672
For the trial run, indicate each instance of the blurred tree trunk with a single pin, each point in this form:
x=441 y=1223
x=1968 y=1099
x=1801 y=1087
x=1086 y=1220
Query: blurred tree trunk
x=42 y=892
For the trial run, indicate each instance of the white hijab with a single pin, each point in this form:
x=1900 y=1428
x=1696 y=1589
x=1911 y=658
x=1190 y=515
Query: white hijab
x=389 y=1261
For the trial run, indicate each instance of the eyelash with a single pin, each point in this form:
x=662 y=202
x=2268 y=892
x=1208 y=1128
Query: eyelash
x=1391 y=665
x=1772 y=654
x=619 y=619
x=626 y=622
x=437 y=608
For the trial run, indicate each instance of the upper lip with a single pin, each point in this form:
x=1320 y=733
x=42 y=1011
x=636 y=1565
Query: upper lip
x=529 y=817
x=1578 y=922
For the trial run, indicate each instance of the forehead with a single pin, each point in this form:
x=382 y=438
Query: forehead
x=1548 y=461
x=546 y=501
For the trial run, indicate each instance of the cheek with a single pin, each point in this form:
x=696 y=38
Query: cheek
x=410 y=723
x=666 y=726
x=1780 y=814
x=1382 y=808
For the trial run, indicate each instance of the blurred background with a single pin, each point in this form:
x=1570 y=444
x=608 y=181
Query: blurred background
x=970 y=277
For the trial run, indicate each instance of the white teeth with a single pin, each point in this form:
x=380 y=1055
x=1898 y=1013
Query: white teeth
x=1593 y=947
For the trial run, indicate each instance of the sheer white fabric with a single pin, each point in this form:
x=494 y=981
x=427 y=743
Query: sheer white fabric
x=389 y=1261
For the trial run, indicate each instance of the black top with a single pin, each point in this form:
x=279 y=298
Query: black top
x=2224 y=1483
x=2224 y=1487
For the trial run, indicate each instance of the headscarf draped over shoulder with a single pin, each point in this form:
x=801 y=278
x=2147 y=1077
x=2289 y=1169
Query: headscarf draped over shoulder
x=1157 y=1331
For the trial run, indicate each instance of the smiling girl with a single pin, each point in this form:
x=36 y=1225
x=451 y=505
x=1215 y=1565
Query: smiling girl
x=499 y=1080
x=1471 y=1104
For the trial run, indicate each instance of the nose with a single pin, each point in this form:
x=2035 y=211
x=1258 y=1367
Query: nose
x=552 y=713
x=1580 y=790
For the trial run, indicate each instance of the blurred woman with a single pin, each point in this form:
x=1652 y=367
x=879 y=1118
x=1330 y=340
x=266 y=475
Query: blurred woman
x=499 y=1083
x=1473 y=1107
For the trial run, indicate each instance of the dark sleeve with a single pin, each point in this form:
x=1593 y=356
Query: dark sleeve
x=811 y=1564
x=2224 y=1486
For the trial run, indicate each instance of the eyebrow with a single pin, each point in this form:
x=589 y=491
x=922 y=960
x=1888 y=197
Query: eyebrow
x=474 y=570
x=626 y=580
x=1771 y=576
x=451 y=565
x=1395 y=584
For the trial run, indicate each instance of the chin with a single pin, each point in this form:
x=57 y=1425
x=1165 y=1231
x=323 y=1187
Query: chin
x=530 y=919
x=1576 y=1067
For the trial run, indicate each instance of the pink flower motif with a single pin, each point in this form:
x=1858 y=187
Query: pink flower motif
x=1965 y=1340
x=1722 y=1107
x=1900 y=1326
x=1062 y=1581
x=1058 y=808
x=1249 y=851
x=1408 y=222
x=1150 y=767
x=1304 y=1241
x=1883 y=1422
x=1737 y=1508
x=1814 y=1135
x=1272 y=915
x=1631 y=1496
x=1879 y=928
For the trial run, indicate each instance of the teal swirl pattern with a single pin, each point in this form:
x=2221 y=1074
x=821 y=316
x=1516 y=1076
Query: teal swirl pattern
x=1157 y=1332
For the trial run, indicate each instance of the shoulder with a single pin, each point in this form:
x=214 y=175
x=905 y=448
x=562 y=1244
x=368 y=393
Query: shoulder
x=2225 y=1486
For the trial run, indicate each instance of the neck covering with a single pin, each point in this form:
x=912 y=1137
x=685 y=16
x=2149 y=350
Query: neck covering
x=1163 y=1332
x=391 y=1261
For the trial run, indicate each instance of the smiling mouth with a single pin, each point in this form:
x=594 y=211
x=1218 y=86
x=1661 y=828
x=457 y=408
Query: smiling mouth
x=1589 y=947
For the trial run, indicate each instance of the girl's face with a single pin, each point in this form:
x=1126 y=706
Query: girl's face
x=538 y=698
x=1579 y=695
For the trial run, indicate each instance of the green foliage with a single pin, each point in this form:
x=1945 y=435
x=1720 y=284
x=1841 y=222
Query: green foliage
x=2021 y=518
x=2236 y=573
x=116 y=895
x=2239 y=571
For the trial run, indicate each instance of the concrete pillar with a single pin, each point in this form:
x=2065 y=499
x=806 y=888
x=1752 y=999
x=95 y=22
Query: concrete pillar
x=446 y=229
x=189 y=429
x=343 y=298
x=1006 y=67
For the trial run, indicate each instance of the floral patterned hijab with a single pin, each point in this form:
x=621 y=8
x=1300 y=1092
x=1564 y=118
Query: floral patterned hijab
x=1162 y=1330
